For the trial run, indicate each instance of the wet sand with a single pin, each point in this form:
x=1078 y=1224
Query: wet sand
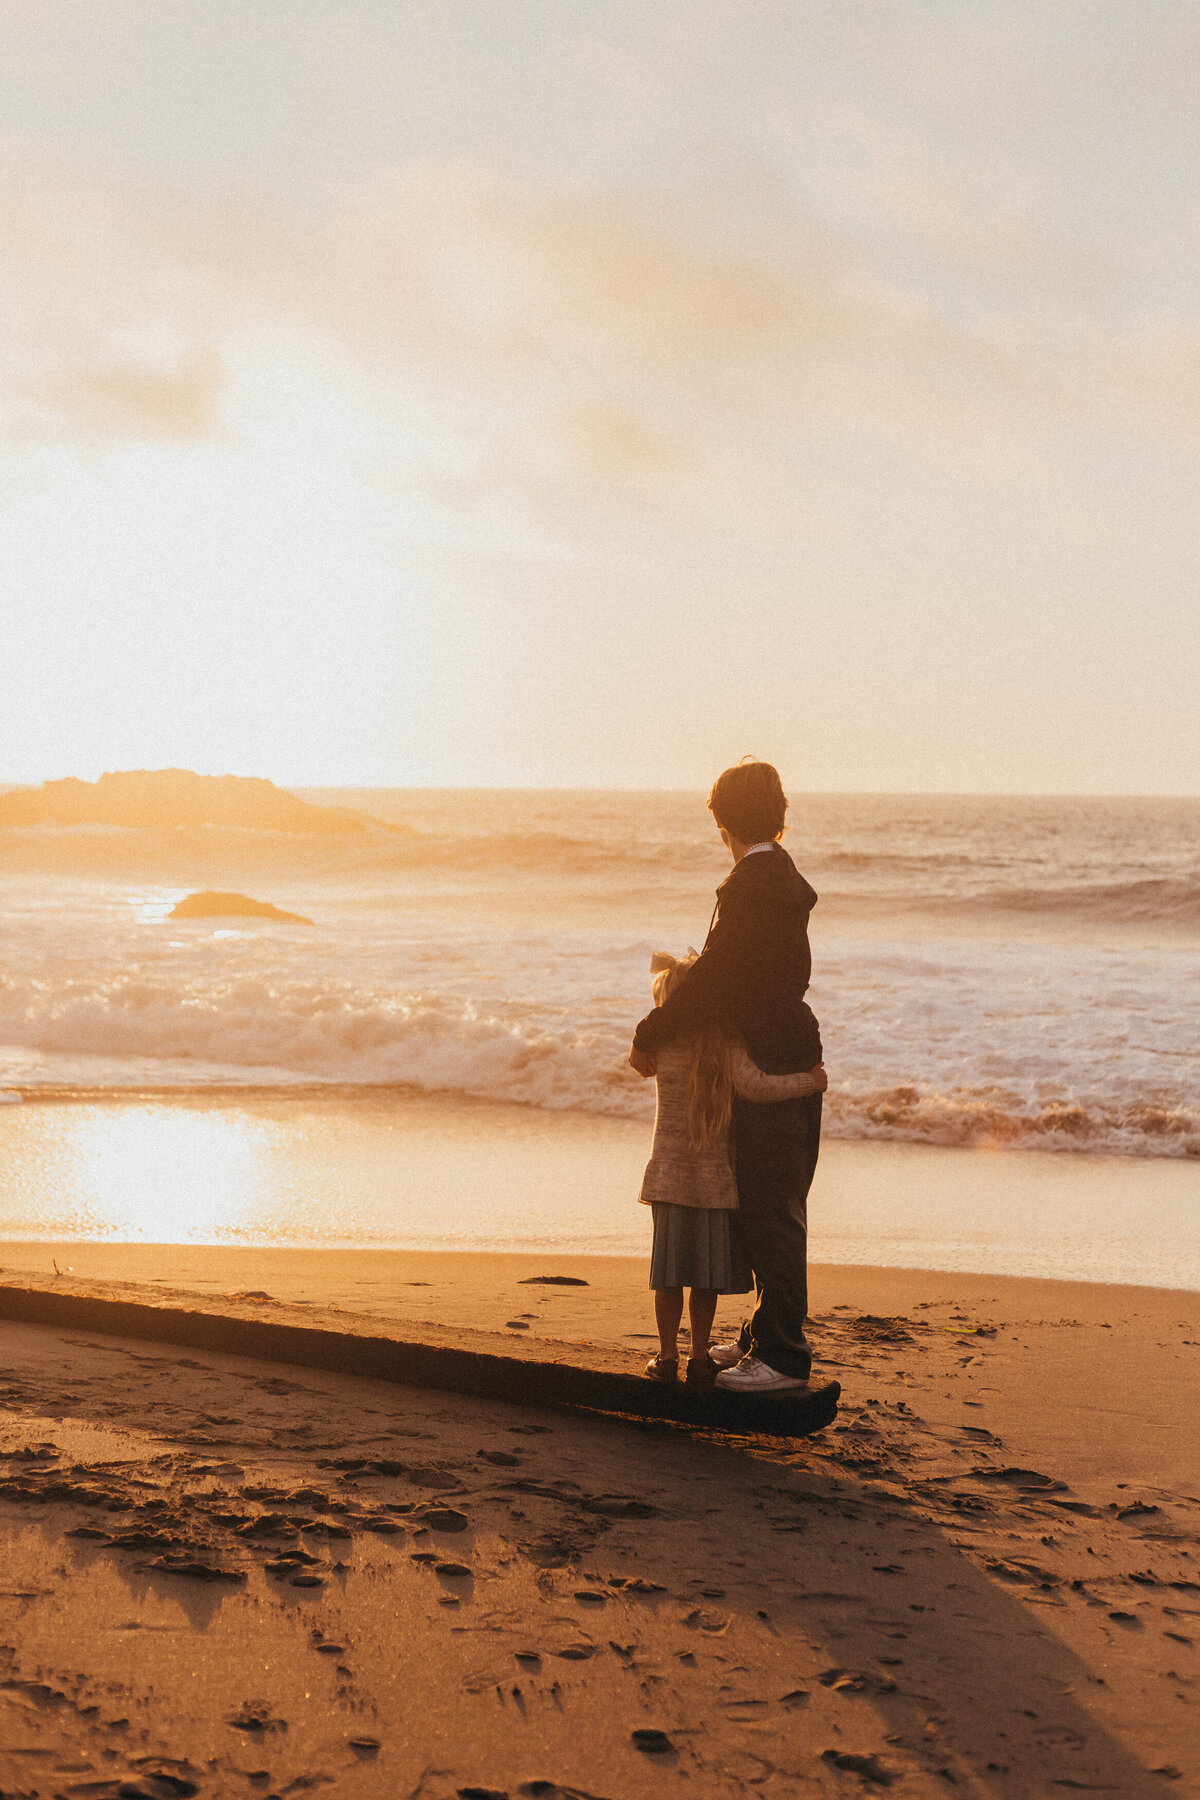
x=227 y=1577
x=395 y=1170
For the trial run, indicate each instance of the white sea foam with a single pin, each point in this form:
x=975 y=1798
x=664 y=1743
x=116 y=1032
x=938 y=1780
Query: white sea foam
x=504 y=955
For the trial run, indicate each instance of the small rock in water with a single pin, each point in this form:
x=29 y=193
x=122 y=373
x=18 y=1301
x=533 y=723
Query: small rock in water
x=211 y=905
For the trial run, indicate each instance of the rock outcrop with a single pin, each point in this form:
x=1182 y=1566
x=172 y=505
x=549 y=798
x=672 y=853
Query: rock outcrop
x=162 y=799
x=210 y=905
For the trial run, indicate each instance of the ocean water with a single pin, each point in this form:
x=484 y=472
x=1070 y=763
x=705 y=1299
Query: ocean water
x=1011 y=973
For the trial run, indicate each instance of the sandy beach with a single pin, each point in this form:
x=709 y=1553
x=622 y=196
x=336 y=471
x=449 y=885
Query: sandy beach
x=226 y=1577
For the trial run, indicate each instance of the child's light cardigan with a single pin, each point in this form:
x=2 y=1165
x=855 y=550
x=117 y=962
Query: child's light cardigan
x=677 y=1175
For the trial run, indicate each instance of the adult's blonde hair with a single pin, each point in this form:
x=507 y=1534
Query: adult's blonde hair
x=710 y=1069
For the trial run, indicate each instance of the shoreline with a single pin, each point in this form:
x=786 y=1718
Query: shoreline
x=300 y=1090
x=39 y=1255
x=332 y=1265
x=385 y=1173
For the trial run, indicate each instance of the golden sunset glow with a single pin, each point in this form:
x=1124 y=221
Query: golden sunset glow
x=409 y=395
x=599 y=898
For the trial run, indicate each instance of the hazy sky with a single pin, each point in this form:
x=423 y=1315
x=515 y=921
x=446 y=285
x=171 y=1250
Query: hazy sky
x=534 y=392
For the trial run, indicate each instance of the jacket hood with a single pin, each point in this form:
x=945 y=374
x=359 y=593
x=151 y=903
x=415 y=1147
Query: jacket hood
x=770 y=875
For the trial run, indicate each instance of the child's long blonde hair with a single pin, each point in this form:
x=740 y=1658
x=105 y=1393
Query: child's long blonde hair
x=710 y=1075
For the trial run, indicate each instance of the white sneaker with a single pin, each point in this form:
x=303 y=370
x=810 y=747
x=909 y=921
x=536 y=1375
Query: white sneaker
x=724 y=1356
x=754 y=1377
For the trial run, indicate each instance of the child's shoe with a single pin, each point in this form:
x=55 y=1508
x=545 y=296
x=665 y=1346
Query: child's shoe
x=663 y=1368
x=701 y=1371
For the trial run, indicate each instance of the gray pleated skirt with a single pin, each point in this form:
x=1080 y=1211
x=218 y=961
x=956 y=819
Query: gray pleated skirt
x=694 y=1247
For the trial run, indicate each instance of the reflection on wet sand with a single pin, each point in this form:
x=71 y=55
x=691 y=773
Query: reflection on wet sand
x=398 y=1170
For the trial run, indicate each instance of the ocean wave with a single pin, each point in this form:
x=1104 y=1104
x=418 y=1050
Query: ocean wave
x=996 y=1119
x=259 y=1031
x=255 y=1029
x=943 y=887
x=1164 y=901
x=377 y=855
x=497 y=946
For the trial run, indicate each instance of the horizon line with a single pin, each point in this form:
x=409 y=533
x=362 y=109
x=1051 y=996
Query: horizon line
x=469 y=787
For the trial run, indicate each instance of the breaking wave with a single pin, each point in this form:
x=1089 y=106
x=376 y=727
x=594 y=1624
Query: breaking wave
x=999 y=1119
x=496 y=945
x=255 y=1031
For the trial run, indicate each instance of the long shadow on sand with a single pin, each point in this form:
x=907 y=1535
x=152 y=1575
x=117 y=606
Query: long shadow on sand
x=964 y=1674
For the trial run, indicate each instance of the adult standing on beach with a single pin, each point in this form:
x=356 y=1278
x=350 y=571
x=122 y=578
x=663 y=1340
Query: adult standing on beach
x=750 y=979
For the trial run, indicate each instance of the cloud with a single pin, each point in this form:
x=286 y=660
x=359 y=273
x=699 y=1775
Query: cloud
x=462 y=259
x=611 y=443
x=627 y=328
x=136 y=401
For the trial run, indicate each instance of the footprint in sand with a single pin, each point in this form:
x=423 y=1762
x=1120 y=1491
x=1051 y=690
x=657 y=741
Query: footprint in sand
x=858 y=1762
x=442 y=1518
x=856 y=1681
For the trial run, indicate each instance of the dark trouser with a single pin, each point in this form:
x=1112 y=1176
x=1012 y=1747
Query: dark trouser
x=774 y=1174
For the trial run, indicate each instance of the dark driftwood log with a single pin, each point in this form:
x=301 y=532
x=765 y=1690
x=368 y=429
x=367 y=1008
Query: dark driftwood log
x=447 y=1366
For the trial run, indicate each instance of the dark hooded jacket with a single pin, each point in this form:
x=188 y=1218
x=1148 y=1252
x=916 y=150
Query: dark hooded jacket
x=751 y=978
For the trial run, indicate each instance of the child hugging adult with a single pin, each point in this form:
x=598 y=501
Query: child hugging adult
x=748 y=984
x=689 y=1180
